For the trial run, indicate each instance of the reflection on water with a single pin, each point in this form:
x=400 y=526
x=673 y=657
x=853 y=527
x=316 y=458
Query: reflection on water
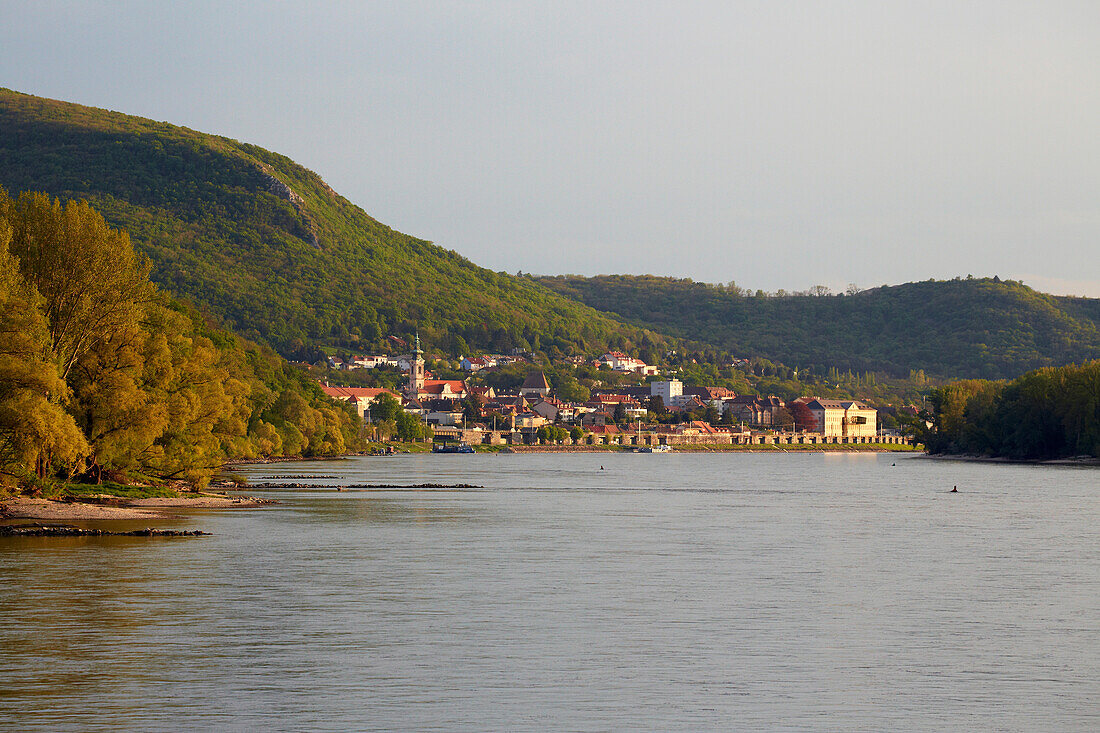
x=797 y=591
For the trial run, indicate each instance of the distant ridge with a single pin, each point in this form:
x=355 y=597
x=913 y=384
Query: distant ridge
x=264 y=246
x=974 y=327
x=268 y=248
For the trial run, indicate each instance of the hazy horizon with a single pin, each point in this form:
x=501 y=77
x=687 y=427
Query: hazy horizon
x=777 y=146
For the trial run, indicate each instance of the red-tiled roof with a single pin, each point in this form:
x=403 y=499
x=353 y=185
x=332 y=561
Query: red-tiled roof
x=435 y=386
x=344 y=393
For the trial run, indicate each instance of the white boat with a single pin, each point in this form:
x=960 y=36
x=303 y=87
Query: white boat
x=656 y=449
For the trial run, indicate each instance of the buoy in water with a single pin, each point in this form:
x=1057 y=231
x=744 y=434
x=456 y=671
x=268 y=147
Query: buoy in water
x=954 y=490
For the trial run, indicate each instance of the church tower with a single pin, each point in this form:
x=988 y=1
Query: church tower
x=416 y=372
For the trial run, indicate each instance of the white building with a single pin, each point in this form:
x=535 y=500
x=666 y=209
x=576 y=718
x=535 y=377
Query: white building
x=373 y=361
x=620 y=362
x=668 y=391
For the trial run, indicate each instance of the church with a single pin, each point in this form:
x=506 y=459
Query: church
x=419 y=388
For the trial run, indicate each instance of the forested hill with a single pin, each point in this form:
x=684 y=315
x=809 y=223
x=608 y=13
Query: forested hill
x=267 y=248
x=984 y=328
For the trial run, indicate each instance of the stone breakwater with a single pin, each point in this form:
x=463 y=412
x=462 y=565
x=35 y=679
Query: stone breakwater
x=59 y=530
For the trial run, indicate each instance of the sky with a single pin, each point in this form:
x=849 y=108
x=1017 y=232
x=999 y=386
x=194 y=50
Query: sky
x=773 y=144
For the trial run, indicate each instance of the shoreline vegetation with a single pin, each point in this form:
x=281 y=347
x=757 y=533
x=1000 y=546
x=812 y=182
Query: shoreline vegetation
x=1048 y=414
x=103 y=378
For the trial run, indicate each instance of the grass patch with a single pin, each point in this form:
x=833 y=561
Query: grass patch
x=123 y=491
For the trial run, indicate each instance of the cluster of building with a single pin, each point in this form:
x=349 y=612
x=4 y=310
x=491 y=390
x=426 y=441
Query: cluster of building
x=609 y=414
x=488 y=361
x=614 y=360
x=365 y=361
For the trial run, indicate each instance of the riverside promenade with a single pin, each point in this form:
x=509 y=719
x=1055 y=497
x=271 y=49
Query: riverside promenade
x=687 y=438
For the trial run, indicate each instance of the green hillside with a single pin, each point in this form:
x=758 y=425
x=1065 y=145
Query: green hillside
x=983 y=328
x=266 y=247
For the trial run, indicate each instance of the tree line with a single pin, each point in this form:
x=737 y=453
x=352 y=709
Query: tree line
x=1048 y=413
x=102 y=376
x=962 y=328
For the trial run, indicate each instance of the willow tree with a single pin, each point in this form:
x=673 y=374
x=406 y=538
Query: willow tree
x=36 y=433
x=206 y=410
x=99 y=370
x=92 y=282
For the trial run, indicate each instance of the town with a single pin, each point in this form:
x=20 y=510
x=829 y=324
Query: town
x=662 y=412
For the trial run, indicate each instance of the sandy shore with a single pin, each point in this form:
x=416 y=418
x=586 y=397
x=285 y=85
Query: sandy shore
x=153 y=508
x=200 y=502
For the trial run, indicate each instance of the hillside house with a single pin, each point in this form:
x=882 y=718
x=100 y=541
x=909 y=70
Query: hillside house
x=620 y=362
x=477 y=363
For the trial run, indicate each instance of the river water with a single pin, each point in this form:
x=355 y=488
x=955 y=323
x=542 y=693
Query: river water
x=579 y=592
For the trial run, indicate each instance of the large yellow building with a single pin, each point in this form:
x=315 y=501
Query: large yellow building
x=844 y=418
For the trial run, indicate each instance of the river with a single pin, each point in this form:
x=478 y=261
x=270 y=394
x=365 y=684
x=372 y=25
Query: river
x=579 y=592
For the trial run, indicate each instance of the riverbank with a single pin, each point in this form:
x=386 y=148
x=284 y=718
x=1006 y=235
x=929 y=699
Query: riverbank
x=108 y=507
x=377 y=450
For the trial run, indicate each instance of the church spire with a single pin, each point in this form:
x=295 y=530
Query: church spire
x=416 y=372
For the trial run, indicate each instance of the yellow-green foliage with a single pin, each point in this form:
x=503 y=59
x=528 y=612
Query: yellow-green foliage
x=36 y=433
x=102 y=375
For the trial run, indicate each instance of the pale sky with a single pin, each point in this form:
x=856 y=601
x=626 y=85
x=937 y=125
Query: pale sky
x=777 y=144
